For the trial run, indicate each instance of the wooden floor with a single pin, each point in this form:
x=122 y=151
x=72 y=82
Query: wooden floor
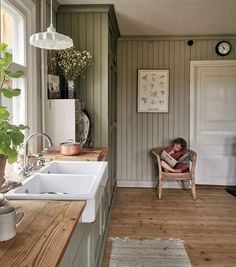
x=207 y=225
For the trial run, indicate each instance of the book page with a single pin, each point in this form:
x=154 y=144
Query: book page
x=184 y=157
x=168 y=159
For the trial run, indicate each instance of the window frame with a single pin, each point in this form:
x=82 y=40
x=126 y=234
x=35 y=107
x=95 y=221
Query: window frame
x=21 y=28
x=28 y=9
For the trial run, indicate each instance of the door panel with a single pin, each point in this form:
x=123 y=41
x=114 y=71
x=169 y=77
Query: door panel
x=213 y=121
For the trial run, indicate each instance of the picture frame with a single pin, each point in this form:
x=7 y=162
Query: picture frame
x=53 y=85
x=153 y=90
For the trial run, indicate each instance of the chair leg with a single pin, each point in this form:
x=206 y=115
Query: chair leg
x=183 y=184
x=194 y=190
x=160 y=188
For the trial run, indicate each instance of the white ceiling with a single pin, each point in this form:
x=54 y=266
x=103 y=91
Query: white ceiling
x=171 y=17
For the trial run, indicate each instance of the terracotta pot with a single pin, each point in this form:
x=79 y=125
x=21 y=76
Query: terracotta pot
x=70 y=148
x=3 y=161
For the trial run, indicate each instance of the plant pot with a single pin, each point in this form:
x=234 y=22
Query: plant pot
x=3 y=161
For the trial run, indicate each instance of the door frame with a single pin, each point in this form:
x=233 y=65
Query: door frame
x=194 y=66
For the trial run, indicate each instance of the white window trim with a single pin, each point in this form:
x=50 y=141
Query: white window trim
x=10 y=8
x=28 y=9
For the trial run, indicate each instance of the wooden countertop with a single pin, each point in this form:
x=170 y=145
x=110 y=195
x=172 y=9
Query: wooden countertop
x=87 y=154
x=43 y=235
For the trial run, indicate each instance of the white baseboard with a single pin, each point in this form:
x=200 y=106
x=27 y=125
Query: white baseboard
x=149 y=184
x=136 y=184
x=222 y=182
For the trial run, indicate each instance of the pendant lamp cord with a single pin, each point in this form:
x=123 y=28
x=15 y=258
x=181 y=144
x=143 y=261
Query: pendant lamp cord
x=51 y=12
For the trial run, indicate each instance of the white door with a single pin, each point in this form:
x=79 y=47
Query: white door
x=213 y=120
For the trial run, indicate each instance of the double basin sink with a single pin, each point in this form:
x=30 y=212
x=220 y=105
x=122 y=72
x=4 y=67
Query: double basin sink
x=67 y=180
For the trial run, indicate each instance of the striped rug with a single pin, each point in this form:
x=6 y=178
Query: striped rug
x=127 y=252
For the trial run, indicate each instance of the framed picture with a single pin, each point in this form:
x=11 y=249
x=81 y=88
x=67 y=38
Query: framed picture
x=53 y=87
x=153 y=90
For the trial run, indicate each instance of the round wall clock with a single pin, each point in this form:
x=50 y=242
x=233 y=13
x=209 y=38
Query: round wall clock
x=223 y=48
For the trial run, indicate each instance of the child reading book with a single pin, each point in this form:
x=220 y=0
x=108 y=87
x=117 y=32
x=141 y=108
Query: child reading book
x=173 y=157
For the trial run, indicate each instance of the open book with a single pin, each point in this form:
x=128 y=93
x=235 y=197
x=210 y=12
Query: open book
x=171 y=161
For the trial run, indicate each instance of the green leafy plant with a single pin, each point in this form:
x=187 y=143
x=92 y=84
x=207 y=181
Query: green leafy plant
x=11 y=136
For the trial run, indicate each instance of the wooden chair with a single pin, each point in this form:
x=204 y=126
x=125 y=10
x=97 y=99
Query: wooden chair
x=185 y=176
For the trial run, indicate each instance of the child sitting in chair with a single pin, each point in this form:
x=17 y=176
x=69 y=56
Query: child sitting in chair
x=176 y=151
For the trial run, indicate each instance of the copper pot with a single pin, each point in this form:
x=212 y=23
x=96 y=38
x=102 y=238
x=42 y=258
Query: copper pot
x=70 y=148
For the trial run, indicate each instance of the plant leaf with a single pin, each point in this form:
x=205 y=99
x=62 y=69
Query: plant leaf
x=17 y=137
x=9 y=93
x=16 y=74
x=4 y=114
x=8 y=57
x=23 y=127
x=3 y=47
x=12 y=155
x=5 y=140
x=3 y=148
x=2 y=61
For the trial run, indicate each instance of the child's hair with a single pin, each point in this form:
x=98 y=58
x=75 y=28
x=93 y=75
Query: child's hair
x=180 y=141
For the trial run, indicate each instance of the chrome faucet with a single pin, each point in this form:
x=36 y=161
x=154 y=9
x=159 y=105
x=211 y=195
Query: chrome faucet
x=27 y=168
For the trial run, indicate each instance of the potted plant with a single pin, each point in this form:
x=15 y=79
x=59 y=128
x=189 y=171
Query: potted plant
x=72 y=63
x=11 y=136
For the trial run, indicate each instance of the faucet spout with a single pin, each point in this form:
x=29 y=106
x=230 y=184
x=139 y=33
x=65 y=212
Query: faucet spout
x=26 y=145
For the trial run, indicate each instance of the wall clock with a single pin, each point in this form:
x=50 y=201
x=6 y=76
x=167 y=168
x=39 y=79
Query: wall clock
x=223 y=48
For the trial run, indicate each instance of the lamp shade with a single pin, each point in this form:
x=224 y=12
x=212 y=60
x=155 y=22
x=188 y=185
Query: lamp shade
x=51 y=40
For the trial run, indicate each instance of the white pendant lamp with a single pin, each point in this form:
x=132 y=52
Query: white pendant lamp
x=51 y=39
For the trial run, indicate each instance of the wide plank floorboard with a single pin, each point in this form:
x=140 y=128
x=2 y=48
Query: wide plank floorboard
x=207 y=225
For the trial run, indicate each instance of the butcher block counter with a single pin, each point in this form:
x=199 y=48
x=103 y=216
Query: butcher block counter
x=87 y=154
x=44 y=234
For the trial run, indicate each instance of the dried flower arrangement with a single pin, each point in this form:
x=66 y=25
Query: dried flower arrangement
x=73 y=63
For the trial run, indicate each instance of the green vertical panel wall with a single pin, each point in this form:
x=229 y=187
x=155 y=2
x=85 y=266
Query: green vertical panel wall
x=88 y=27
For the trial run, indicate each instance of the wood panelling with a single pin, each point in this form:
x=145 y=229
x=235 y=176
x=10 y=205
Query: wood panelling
x=95 y=28
x=137 y=132
x=89 y=31
x=207 y=226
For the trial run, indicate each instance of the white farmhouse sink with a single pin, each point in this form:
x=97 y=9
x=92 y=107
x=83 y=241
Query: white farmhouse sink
x=74 y=167
x=66 y=180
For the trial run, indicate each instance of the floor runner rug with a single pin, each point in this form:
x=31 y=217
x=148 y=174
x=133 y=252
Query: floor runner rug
x=127 y=252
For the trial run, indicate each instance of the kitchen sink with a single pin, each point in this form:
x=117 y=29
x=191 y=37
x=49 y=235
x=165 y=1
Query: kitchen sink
x=73 y=167
x=67 y=180
x=72 y=186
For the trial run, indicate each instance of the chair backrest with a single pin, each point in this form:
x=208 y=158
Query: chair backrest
x=158 y=150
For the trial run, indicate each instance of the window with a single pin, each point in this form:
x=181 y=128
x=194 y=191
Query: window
x=13 y=31
x=18 y=20
x=13 y=34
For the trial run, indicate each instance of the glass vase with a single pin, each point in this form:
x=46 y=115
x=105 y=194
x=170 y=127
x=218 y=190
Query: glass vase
x=71 y=89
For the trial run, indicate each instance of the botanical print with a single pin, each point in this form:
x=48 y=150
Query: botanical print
x=153 y=86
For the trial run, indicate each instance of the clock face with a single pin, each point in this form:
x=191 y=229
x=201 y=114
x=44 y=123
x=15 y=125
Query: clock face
x=223 y=48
